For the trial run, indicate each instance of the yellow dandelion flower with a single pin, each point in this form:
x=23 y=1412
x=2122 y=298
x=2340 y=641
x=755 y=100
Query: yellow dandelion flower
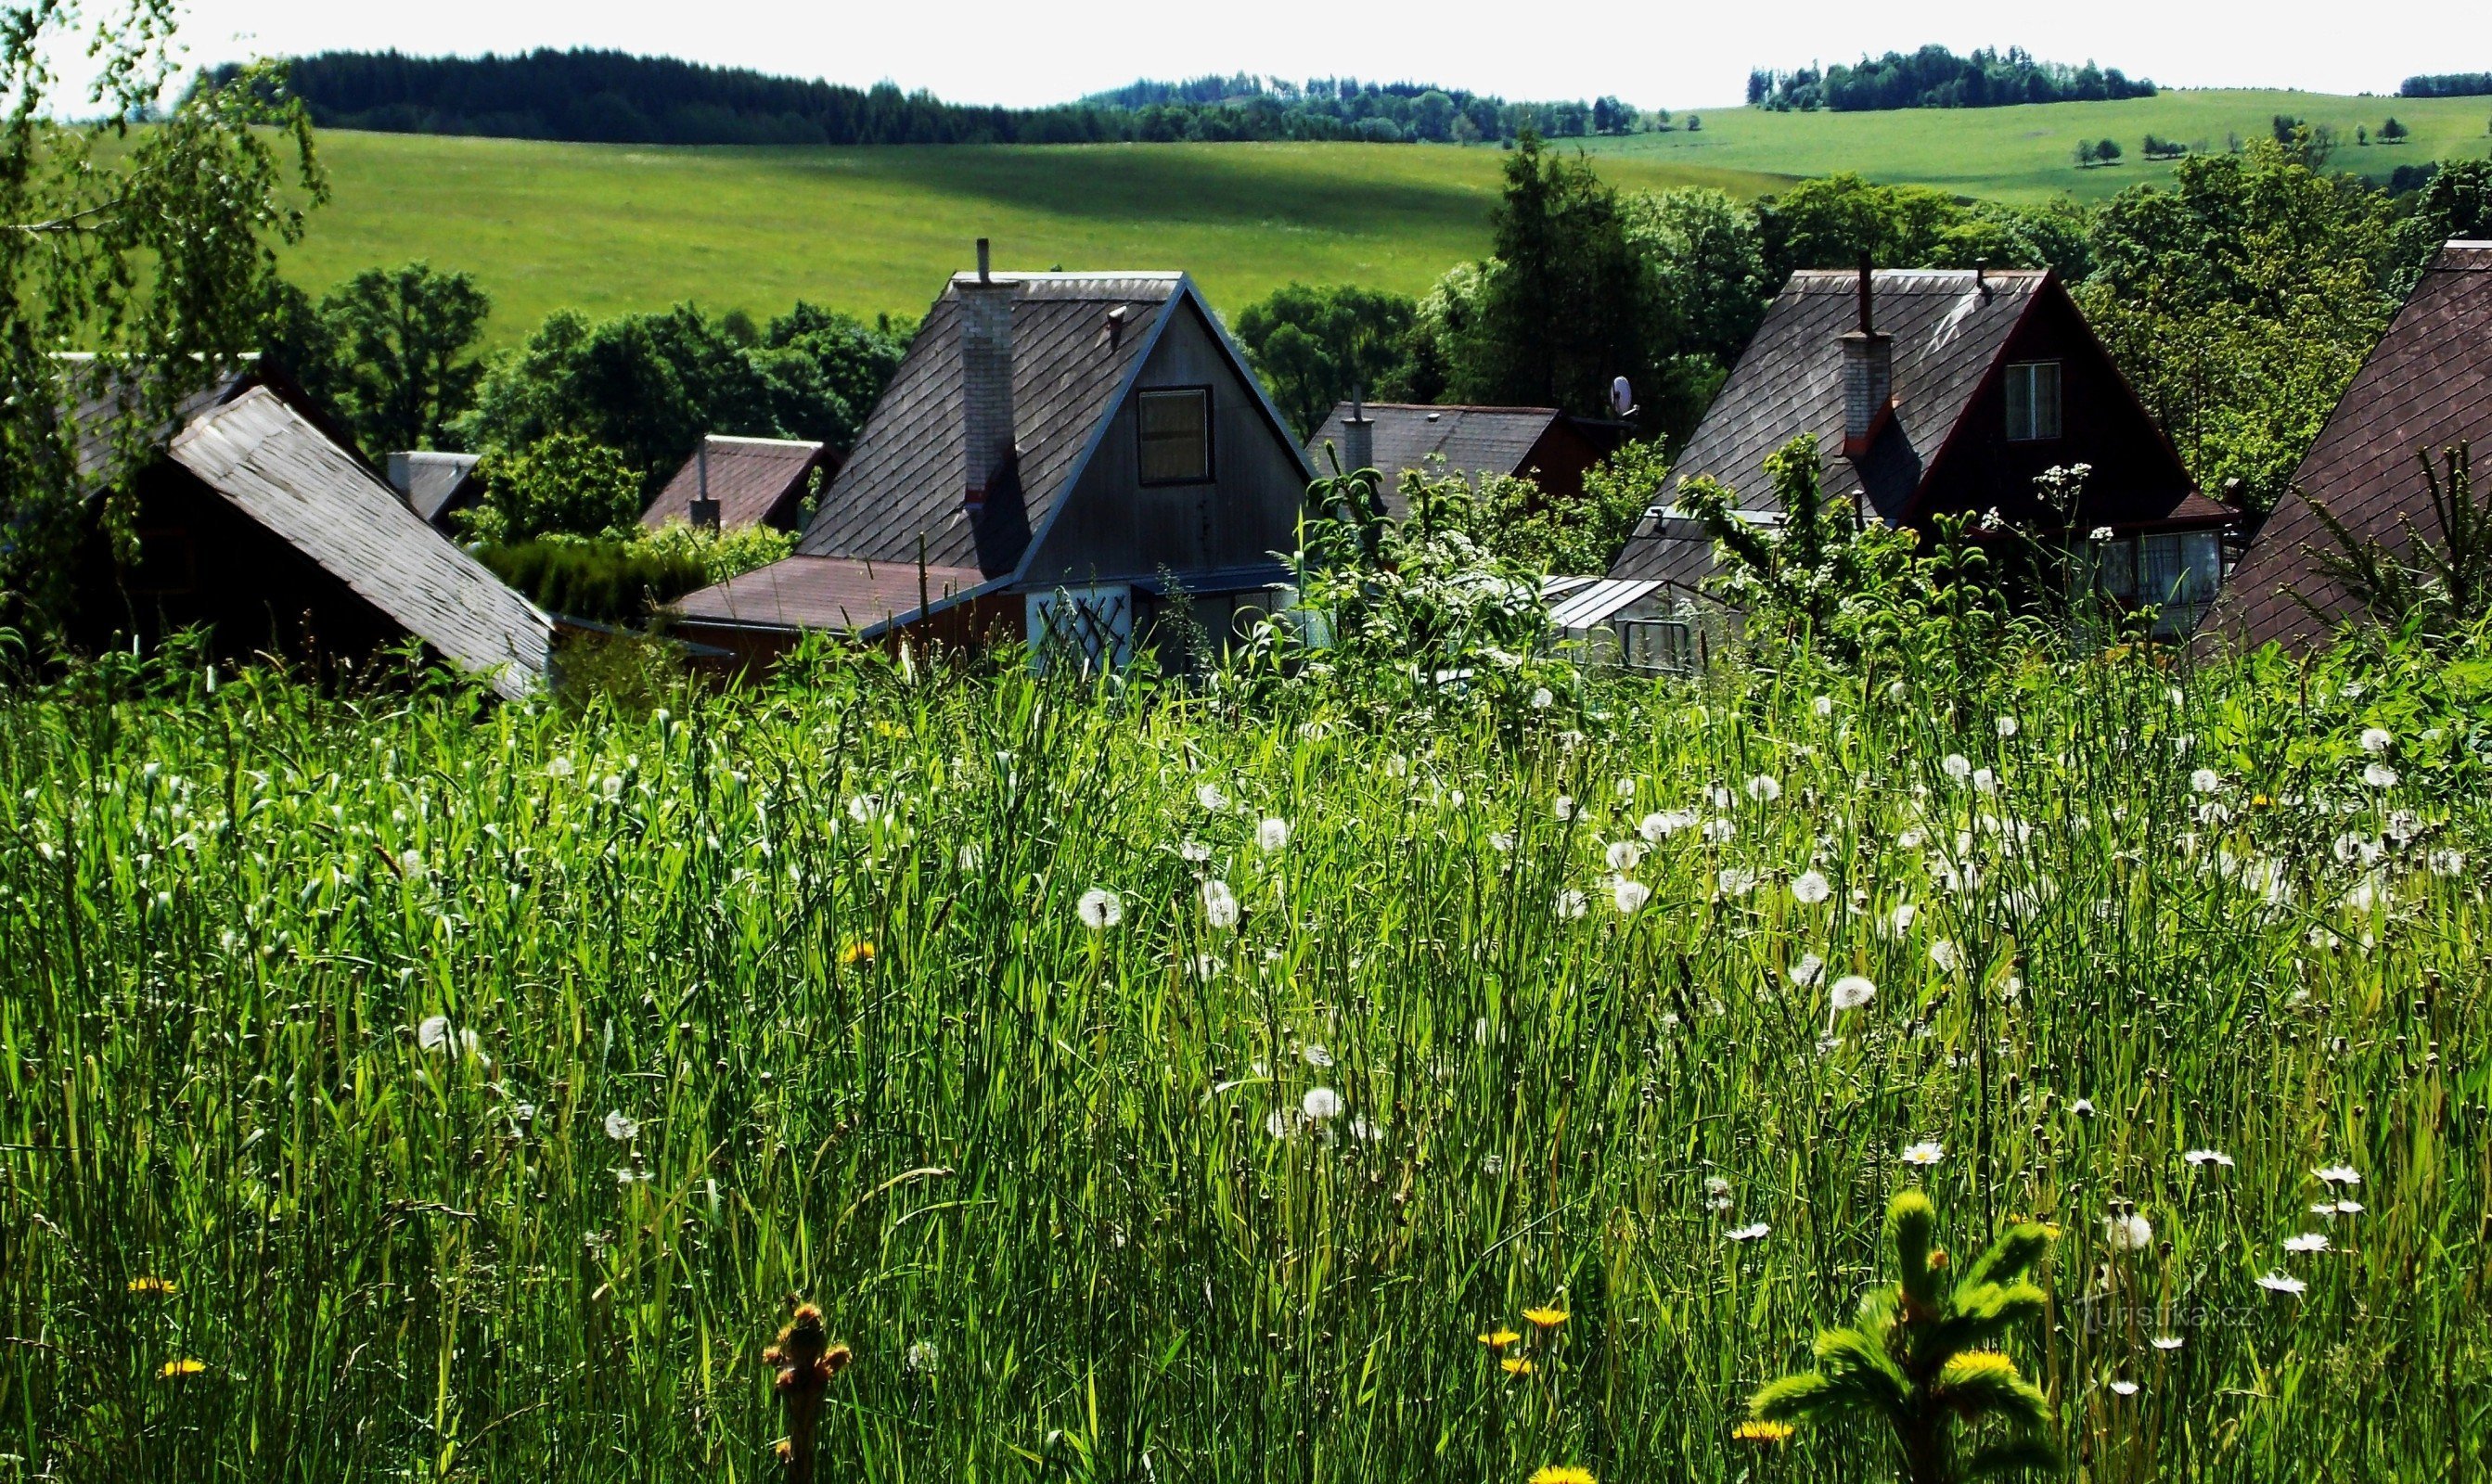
x=859 y=952
x=1759 y=1430
x=176 y=1367
x=162 y=1287
x=1563 y=1473
x=1499 y=1339
x=1517 y=1365
x=1545 y=1319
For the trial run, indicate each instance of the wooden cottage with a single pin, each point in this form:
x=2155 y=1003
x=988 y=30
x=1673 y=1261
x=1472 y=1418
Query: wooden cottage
x=729 y=483
x=2426 y=387
x=1542 y=444
x=256 y=523
x=1059 y=458
x=1936 y=393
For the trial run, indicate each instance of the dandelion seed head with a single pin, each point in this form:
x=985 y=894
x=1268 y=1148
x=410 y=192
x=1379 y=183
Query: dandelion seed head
x=1810 y=888
x=1628 y=895
x=620 y=1128
x=1764 y=788
x=1209 y=796
x=1272 y=835
x=1852 y=992
x=1624 y=854
x=2378 y=741
x=1100 y=909
x=1808 y=970
x=1220 y=907
x=1957 y=766
x=2379 y=775
x=2127 y=1232
x=1319 y=1103
x=1572 y=904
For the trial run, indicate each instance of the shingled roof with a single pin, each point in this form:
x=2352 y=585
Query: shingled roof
x=2427 y=385
x=272 y=464
x=1469 y=440
x=754 y=481
x=904 y=480
x=431 y=480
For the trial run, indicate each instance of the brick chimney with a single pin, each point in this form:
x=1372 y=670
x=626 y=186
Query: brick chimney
x=1357 y=436
x=986 y=378
x=1868 y=376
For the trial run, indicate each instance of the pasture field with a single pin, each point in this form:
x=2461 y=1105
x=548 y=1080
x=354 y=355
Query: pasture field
x=606 y=229
x=399 y=1087
x=2027 y=154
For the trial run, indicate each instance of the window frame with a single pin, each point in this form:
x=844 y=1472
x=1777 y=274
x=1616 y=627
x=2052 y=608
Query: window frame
x=2022 y=377
x=1142 y=439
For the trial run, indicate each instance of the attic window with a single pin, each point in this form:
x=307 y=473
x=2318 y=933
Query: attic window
x=2032 y=401
x=1175 y=427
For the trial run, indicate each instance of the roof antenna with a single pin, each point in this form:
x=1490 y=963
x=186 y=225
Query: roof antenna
x=984 y=277
x=1865 y=327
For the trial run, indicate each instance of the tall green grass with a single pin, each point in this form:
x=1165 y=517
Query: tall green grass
x=791 y=990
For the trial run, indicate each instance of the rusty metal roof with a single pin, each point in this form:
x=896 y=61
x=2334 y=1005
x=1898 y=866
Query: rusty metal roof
x=827 y=592
x=904 y=480
x=272 y=464
x=2425 y=386
x=754 y=481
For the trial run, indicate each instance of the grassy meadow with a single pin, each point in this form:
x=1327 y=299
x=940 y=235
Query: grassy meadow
x=606 y=229
x=399 y=1087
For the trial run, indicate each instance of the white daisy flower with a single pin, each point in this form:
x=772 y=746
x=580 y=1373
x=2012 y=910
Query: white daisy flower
x=1924 y=1154
x=1753 y=1231
x=2339 y=1175
x=1100 y=909
x=1852 y=992
x=2166 y=1342
x=2349 y=1207
x=2307 y=1241
x=2280 y=1282
x=2209 y=1157
x=2123 y=1388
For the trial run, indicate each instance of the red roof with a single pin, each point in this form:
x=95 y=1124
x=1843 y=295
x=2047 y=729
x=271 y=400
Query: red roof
x=826 y=592
x=755 y=482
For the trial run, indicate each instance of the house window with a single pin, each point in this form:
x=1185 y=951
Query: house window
x=2114 y=564
x=1176 y=432
x=2176 y=572
x=2032 y=401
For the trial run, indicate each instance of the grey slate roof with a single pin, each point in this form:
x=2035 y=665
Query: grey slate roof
x=1470 y=440
x=2427 y=385
x=275 y=467
x=430 y=480
x=751 y=478
x=1947 y=330
x=905 y=477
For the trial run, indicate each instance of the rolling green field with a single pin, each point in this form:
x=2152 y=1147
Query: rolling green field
x=606 y=229
x=2027 y=154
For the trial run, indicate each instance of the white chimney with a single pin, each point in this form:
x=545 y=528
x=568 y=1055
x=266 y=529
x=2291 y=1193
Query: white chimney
x=1868 y=376
x=986 y=379
x=1357 y=436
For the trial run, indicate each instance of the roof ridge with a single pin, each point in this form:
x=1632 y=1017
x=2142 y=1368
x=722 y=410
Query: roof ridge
x=737 y=438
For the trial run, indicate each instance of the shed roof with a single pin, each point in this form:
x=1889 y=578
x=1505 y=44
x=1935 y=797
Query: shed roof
x=905 y=477
x=2425 y=386
x=827 y=592
x=430 y=479
x=751 y=479
x=272 y=464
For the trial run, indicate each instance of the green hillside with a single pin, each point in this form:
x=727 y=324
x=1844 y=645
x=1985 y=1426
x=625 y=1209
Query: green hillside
x=611 y=228
x=2026 y=154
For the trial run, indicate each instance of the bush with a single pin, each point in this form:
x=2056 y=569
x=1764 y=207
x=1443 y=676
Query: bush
x=603 y=580
x=562 y=485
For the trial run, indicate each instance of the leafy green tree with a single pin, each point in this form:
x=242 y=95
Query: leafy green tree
x=1313 y=346
x=405 y=366
x=2456 y=201
x=151 y=245
x=2107 y=151
x=561 y=485
x=1708 y=260
x=2240 y=301
x=1923 y=1358
x=2394 y=133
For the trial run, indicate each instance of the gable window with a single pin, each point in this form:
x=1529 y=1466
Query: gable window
x=2032 y=401
x=1174 y=425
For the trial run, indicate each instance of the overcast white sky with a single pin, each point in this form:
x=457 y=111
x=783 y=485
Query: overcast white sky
x=1672 y=53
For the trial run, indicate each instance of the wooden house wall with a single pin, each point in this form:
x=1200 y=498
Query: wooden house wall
x=2100 y=425
x=1113 y=528
x=203 y=564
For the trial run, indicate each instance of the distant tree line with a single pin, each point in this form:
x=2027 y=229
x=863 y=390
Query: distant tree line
x=613 y=96
x=1935 y=78
x=2447 y=86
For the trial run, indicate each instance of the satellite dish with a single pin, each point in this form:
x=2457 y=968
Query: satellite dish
x=1621 y=397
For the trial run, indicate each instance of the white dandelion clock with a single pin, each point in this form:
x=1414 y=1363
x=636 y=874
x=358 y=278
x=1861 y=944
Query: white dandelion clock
x=1852 y=992
x=1314 y=1054
x=1764 y=788
x=620 y=1128
x=1572 y=904
x=1541 y=699
x=2127 y=1232
x=1946 y=955
x=1209 y=796
x=1272 y=835
x=1957 y=766
x=1823 y=706
x=1319 y=1103
x=1628 y=895
x=1624 y=854
x=2378 y=741
x=2206 y=781
x=2446 y=862
x=1100 y=909
x=1810 y=888
x=1563 y=806
x=1219 y=905
x=1808 y=970
x=2006 y=727
x=1734 y=881
x=2379 y=775
x=432 y=1032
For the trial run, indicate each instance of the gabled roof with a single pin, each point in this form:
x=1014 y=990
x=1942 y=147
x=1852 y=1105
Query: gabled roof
x=430 y=480
x=2427 y=385
x=1071 y=365
x=751 y=479
x=898 y=500
x=1949 y=327
x=1470 y=439
x=271 y=464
